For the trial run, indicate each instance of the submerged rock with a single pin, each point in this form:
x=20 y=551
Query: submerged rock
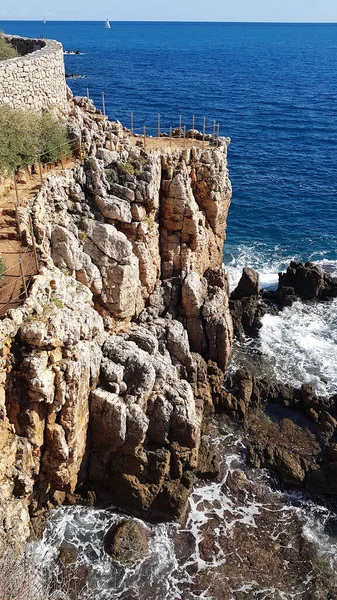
x=127 y=542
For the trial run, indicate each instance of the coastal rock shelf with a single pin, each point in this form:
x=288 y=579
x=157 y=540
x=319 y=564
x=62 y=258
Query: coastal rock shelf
x=103 y=369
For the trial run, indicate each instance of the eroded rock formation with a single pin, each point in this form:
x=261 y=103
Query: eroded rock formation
x=103 y=369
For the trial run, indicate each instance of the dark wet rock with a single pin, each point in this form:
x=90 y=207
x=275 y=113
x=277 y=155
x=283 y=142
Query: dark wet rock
x=300 y=444
x=209 y=459
x=246 y=306
x=308 y=280
x=303 y=280
x=284 y=447
x=249 y=285
x=127 y=542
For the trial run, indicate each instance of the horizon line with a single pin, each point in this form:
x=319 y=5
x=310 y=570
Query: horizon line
x=170 y=21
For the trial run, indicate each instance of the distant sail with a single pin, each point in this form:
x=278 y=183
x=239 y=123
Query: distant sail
x=107 y=24
x=44 y=20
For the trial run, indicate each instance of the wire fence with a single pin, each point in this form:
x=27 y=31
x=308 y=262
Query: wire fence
x=15 y=281
x=16 y=278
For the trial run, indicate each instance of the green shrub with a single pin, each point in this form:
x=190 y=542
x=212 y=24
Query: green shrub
x=24 y=136
x=19 y=138
x=53 y=136
x=131 y=169
x=2 y=268
x=57 y=302
x=6 y=49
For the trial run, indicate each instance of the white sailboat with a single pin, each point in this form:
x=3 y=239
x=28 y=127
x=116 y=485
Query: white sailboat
x=44 y=21
x=107 y=24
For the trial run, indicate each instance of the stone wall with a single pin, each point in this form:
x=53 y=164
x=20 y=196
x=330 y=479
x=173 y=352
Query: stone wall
x=35 y=81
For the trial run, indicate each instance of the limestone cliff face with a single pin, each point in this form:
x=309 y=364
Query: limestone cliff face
x=102 y=388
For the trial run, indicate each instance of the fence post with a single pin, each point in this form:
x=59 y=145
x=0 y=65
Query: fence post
x=34 y=243
x=180 y=125
x=88 y=94
x=144 y=137
x=16 y=189
x=184 y=136
x=193 y=127
x=171 y=137
x=40 y=169
x=103 y=103
x=217 y=141
x=80 y=149
x=131 y=122
x=203 y=133
x=214 y=129
x=23 y=277
x=158 y=125
x=61 y=157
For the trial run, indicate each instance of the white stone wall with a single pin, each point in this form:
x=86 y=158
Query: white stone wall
x=35 y=81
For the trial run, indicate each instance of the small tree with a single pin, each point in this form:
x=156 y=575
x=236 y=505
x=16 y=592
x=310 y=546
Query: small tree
x=19 y=138
x=6 y=49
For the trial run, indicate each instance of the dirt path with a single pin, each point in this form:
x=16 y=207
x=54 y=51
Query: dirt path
x=14 y=254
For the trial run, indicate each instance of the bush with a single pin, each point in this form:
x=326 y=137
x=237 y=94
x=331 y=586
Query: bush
x=2 y=268
x=53 y=136
x=24 y=136
x=6 y=49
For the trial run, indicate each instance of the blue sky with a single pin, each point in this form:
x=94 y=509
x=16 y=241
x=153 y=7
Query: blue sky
x=174 y=10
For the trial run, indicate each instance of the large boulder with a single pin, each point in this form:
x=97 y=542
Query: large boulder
x=127 y=542
x=249 y=285
x=246 y=306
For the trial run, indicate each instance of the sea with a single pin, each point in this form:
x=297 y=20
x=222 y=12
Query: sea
x=271 y=88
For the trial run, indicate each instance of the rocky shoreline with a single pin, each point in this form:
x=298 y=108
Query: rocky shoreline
x=114 y=365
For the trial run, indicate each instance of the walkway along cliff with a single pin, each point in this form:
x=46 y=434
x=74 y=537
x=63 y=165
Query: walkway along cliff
x=104 y=368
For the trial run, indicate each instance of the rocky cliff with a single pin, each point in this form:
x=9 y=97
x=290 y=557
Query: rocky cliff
x=103 y=369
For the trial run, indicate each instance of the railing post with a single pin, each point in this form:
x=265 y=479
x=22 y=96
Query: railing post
x=180 y=125
x=34 y=243
x=88 y=94
x=23 y=277
x=217 y=141
x=144 y=137
x=103 y=103
x=131 y=118
x=184 y=136
x=40 y=169
x=16 y=189
x=158 y=125
x=171 y=138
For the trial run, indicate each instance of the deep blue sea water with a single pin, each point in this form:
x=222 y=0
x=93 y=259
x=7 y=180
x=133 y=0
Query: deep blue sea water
x=272 y=87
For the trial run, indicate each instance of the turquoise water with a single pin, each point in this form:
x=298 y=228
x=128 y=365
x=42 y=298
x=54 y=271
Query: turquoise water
x=272 y=87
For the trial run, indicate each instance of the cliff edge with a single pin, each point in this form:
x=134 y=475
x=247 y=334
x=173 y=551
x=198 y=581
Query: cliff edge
x=104 y=368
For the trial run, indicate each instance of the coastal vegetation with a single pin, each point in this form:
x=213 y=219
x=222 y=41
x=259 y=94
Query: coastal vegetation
x=6 y=49
x=2 y=268
x=26 y=137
